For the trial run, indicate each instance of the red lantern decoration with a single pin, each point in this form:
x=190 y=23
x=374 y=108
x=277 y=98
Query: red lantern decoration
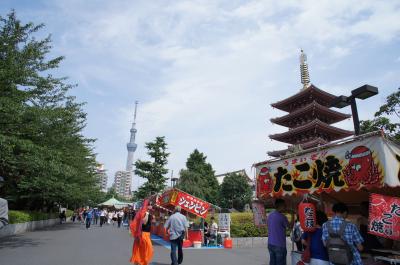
x=307 y=216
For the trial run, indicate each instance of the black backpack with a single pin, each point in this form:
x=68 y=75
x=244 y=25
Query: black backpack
x=339 y=251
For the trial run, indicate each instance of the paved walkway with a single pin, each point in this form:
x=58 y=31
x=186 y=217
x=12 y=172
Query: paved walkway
x=72 y=244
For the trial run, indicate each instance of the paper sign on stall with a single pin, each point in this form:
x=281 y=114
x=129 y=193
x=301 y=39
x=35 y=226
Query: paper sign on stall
x=224 y=221
x=384 y=216
x=260 y=218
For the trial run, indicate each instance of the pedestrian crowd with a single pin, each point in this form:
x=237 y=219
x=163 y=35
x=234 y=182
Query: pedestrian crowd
x=96 y=216
x=334 y=241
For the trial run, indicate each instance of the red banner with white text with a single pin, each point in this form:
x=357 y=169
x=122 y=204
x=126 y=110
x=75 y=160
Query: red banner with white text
x=384 y=216
x=187 y=202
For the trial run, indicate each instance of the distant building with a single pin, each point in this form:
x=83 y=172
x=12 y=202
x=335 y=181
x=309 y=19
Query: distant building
x=122 y=183
x=102 y=177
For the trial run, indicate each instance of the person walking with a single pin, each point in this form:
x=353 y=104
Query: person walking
x=96 y=216
x=109 y=217
x=120 y=215
x=89 y=216
x=103 y=217
x=339 y=228
x=177 y=225
x=74 y=214
x=62 y=217
x=318 y=252
x=3 y=213
x=142 y=250
x=277 y=225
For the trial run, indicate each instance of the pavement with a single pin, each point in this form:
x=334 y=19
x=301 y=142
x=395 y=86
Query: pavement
x=72 y=244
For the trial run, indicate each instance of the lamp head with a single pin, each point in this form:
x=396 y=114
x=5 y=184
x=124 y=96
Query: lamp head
x=340 y=102
x=364 y=92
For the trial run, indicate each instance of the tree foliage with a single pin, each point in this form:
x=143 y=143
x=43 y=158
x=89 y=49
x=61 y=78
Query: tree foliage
x=44 y=157
x=199 y=178
x=235 y=192
x=154 y=171
x=385 y=118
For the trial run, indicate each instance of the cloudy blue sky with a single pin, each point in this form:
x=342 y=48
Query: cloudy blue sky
x=206 y=72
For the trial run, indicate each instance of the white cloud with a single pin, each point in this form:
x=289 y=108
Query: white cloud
x=205 y=72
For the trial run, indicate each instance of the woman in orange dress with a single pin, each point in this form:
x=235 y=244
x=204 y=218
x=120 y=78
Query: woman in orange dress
x=142 y=250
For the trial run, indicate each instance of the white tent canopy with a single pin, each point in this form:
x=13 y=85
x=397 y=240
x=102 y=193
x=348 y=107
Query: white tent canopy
x=115 y=203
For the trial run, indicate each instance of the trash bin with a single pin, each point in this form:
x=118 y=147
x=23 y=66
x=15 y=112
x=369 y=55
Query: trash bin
x=228 y=242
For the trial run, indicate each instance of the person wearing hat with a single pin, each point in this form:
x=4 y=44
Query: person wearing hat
x=177 y=225
x=3 y=208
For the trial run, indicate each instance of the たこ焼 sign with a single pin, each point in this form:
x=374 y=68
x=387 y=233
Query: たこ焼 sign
x=353 y=165
x=384 y=216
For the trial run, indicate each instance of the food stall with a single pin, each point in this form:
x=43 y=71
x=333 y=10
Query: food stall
x=349 y=171
x=192 y=207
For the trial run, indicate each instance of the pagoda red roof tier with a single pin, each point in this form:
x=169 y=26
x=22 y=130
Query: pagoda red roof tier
x=313 y=143
x=312 y=111
x=311 y=131
x=303 y=98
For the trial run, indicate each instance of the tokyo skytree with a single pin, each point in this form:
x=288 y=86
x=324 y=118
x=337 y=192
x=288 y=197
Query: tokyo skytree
x=131 y=146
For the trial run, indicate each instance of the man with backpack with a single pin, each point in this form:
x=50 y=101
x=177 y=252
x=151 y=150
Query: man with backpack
x=341 y=238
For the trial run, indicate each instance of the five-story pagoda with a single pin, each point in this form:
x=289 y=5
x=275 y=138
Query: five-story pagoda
x=309 y=117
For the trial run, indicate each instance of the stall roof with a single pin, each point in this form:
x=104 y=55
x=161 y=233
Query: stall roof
x=189 y=203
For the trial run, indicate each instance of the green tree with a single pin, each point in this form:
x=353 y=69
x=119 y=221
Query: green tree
x=154 y=171
x=43 y=155
x=385 y=117
x=199 y=178
x=235 y=192
x=111 y=192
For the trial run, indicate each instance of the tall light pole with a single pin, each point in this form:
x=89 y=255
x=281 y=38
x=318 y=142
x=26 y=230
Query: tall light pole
x=362 y=92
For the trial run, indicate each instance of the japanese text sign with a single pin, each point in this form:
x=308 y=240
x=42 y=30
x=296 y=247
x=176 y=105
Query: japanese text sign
x=353 y=165
x=187 y=202
x=224 y=221
x=384 y=216
x=260 y=218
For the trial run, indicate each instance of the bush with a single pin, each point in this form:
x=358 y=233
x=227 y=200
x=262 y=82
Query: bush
x=242 y=225
x=16 y=217
x=69 y=213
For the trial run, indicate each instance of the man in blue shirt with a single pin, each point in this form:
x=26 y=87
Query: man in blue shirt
x=177 y=225
x=351 y=234
x=277 y=224
x=89 y=216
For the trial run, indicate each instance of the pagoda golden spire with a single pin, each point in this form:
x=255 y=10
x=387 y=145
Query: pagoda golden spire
x=305 y=76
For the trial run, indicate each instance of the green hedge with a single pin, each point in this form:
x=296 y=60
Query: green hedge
x=242 y=225
x=16 y=217
x=69 y=213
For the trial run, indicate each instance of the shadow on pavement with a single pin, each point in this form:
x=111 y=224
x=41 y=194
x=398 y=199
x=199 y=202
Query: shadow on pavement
x=58 y=227
x=158 y=263
x=17 y=241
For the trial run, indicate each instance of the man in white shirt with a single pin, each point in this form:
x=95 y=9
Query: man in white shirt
x=213 y=229
x=103 y=217
x=177 y=224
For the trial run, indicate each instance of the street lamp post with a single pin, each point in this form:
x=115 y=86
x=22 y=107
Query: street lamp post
x=362 y=92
